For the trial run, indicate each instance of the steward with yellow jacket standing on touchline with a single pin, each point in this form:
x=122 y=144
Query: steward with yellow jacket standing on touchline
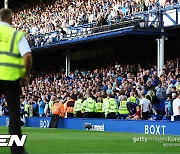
x=15 y=67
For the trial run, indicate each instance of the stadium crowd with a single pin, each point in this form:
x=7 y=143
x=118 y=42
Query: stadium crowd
x=119 y=89
x=59 y=15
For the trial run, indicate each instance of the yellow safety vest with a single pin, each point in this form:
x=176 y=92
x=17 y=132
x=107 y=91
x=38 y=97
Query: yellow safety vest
x=11 y=62
x=29 y=109
x=99 y=107
x=123 y=108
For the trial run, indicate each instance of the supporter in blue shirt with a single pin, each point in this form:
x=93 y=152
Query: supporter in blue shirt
x=41 y=108
x=156 y=116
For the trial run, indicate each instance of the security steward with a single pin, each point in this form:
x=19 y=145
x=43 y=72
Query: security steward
x=15 y=66
x=123 y=110
x=88 y=107
x=113 y=108
x=69 y=108
x=99 y=105
x=56 y=112
x=77 y=106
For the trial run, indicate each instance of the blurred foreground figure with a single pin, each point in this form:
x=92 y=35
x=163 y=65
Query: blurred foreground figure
x=15 y=67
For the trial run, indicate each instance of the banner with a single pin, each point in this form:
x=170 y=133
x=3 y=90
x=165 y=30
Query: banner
x=113 y=125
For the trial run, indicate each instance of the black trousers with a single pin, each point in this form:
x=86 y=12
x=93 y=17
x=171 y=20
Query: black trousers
x=70 y=115
x=111 y=115
x=54 y=121
x=177 y=118
x=89 y=115
x=78 y=114
x=145 y=115
x=12 y=91
x=98 y=115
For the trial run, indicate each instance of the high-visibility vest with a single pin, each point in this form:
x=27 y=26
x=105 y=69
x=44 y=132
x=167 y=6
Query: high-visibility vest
x=11 y=62
x=29 y=109
x=105 y=105
x=88 y=105
x=56 y=108
x=77 y=105
x=131 y=99
x=178 y=87
x=123 y=108
x=99 y=107
x=113 y=105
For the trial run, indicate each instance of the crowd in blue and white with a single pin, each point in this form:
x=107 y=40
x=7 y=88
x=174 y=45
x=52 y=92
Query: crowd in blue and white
x=121 y=81
x=59 y=16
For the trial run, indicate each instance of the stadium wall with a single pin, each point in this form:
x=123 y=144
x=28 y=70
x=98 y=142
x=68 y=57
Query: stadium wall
x=144 y=127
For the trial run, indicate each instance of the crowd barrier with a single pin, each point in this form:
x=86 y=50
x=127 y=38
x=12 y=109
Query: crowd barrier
x=113 y=125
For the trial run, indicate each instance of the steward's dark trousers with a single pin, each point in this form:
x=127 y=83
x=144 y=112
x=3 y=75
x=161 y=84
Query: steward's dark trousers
x=111 y=115
x=70 y=115
x=98 y=115
x=78 y=114
x=11 y=91
x=54 y=121
x=89 y=115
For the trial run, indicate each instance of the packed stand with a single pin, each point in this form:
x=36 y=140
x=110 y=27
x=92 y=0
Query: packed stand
x=48 y=22
x=120 y=91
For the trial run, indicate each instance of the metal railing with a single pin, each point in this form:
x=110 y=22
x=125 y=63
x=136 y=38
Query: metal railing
x=78 y=32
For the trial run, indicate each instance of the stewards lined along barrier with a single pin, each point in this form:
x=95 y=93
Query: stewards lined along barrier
x=134 y=126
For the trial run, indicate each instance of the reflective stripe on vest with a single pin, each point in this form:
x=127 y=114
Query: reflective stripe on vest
x=11 y=62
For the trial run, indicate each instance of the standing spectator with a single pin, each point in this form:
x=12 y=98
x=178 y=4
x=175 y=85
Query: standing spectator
x=145 y=107
x=160 y=93
x=176 y=108
x=46 y=107
x=16 y=65
x=0 y=109
x=168 y=105
x=41 y=107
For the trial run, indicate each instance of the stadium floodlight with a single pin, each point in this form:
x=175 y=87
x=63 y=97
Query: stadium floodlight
x=5 y=4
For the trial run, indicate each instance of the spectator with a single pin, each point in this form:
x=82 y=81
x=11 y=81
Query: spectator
x=41 y=107
x=145 y=107
x=137 y=114
x=176 y=108
x=156 y=116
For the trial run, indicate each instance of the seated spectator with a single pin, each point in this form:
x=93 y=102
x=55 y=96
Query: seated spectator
x=137 y=114
x=156 y=115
